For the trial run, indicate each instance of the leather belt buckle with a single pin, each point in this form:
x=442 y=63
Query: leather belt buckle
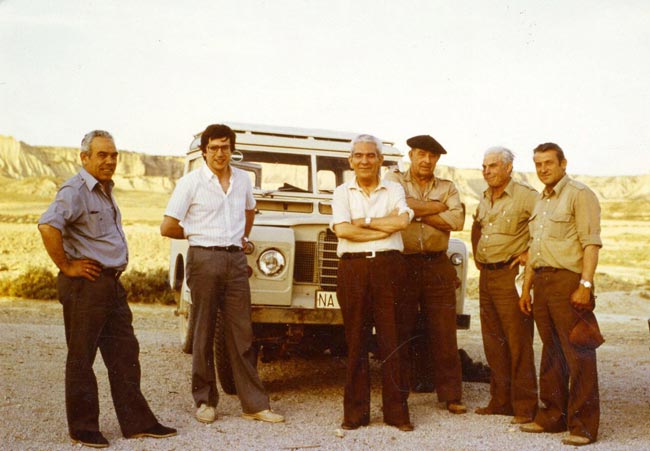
x=371 y=254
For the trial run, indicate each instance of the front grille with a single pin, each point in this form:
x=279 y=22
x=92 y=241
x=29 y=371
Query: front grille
x=328 y=261
x=304 y=269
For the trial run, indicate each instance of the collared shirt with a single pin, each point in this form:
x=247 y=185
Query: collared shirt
x=351 y=202
x=504 y=222
x=418 y=236
x=209 y=216
x=564 y=221
x=89 y=221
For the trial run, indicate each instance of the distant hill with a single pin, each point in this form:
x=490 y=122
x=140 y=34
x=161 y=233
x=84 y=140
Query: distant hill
x=38 y=170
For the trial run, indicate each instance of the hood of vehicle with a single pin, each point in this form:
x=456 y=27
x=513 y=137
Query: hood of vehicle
x=267 y=218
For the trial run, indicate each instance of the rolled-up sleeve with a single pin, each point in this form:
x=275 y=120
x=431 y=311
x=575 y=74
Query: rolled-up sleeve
x=587 y=217
x=180 y=200
x=65 y=209
x=399 y=199
x=455 y=215
x=340 y=206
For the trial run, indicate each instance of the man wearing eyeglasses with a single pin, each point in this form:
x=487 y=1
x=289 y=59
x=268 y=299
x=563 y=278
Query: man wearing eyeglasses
x=213 y=208
x=431 y=291
x=367 y=216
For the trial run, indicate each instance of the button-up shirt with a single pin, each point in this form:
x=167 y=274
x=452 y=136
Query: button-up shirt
x=209 y=216
x=565 y=220
x=418 y=236
x=351 y=202
x=504 y=222
x=89 y=221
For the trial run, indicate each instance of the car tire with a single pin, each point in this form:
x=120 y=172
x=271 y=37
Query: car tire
x=186 y=323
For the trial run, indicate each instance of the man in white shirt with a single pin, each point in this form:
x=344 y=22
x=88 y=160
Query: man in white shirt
x=368 y=215
x=214 y=208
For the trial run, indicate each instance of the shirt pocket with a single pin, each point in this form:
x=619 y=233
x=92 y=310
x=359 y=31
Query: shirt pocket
x=100 y=222
x=509 y=224
x=560 y=225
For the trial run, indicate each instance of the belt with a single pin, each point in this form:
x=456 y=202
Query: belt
x=428 y=255
x=112 y=273
x=498 y=265
x=231 y=248
x=546 y=269
x=371 y=254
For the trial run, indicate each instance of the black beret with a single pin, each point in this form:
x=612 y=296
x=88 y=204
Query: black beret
x=425 y=142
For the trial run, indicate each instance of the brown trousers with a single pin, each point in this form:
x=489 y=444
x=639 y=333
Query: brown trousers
x=368 y=291
x=568 y=379
x=508 y=344
x=431 y=289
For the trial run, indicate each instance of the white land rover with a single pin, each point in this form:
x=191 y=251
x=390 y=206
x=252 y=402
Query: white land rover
x=293 y=261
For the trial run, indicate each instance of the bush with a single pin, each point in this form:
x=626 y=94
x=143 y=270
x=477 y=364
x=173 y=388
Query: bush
x=35 y=283
x=148 y=287
x=39 y=283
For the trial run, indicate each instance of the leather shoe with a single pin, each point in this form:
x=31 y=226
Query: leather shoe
x=156 y=431
x=264 y=415
x=456 y=407
x=206 y=413
x=531 y=427
x=520 y=420
x=405 y=427
x=93 y=439
x=576 y=440
x=490 y=411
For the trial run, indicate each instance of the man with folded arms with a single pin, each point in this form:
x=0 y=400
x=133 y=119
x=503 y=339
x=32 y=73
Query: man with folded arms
x=562 y=259
x=431 y=290
x=214 y=208
x=367 y=216
x=500 y=244
x=82 y=233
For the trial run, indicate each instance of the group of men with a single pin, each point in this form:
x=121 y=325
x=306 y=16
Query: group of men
x=389 y=230
x=400 y=224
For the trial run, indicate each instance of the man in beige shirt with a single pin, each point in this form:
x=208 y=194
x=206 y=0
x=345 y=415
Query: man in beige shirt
x=500 y=243
x=431 y=291
x=367 y=216
x=562 y=260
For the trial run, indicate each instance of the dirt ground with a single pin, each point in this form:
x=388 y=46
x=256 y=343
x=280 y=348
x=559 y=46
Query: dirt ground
x=308 y=392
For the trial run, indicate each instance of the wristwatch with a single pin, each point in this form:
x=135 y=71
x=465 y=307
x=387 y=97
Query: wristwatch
x=367 y=220
x=585 y=283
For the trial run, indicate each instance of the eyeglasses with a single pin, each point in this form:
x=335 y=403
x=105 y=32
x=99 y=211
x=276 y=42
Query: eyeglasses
x=216 y=148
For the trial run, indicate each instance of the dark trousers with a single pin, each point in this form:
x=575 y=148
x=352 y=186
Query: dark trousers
x=431 y=290
x=368 y=291
x=568 y=376
x=219 y=280
x=96 y=315
x=508 y=343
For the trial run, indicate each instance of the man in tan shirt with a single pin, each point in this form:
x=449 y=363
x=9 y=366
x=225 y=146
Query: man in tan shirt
x=367 y=216
x=500 y=243
x=431 y=289
x=562 y=260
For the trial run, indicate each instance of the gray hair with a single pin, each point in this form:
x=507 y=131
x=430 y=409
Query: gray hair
x=367 y=139
x=85 y=143
x=506 y=154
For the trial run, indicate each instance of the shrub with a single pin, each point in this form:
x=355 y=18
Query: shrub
x=148 y=287
x=35 y=283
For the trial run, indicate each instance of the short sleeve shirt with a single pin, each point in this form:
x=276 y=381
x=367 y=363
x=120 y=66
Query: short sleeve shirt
x=564 y=221
x=209 y=216
x=351 y=202
x=89 y=221
x=419 y=237
x=504 y=222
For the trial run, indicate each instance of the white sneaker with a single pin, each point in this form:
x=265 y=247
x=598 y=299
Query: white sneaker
x=264 y=415
x=206 y=414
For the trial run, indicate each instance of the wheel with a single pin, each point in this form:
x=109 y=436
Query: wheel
x=221 y=357
x=185 y=322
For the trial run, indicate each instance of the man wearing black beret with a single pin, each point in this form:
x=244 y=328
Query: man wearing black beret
x=431 y=291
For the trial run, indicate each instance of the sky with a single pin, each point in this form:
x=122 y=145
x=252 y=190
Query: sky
x=472 y=74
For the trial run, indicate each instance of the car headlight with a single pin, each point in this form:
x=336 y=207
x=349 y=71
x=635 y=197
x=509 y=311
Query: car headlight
x=271 y=262
x=456 y=259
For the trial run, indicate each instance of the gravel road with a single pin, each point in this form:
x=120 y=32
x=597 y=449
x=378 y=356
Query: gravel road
x=308 y=392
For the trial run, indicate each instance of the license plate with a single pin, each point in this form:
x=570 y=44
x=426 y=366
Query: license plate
x=327 y=299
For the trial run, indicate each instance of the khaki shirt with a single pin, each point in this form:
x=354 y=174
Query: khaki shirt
x=419 y=237
x=351 y=202
x=504 y=223
x=564 y=222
